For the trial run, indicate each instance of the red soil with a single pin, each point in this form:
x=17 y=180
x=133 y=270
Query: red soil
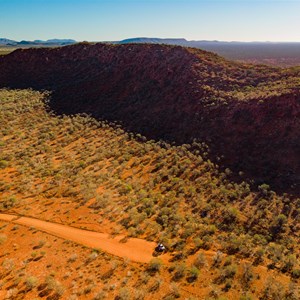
x=137 y=250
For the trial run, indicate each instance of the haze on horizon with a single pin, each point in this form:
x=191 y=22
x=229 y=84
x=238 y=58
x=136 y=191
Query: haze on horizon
x=104 y=20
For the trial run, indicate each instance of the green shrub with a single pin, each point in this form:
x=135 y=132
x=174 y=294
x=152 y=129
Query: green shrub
x=193 y=274
x=3 y=164
x=31 y=282
x=296 y=273
x=155 y=265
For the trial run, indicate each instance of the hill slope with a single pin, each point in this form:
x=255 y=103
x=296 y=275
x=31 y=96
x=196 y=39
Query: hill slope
x=223 y=239
x=248 y=115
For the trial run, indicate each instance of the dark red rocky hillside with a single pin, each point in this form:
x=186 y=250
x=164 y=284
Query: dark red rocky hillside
x=248 y=115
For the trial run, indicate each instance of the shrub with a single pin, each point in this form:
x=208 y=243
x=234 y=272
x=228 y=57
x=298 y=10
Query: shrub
x=73 y=258
x=217 y=259
x=258 y=254
x=10 y=202
x=296 y=273
x=3 y=238
x=156 y=285
x=272 y=290
x=3 y=164
x=99 y=296
x=91 y=257
x=155 y=265
x=292 y=292
x=288 y=263
x=88 y=289
x=227 y=273
x=174 y=289
x=193 y=274
x=124 y=294
x=278 y=225
x=179 y=271
x=139 y=295
x=200 y=261
x=101 y=202
x=12 y=293
x=8 y=264
x=31 y=282
x=247 y=275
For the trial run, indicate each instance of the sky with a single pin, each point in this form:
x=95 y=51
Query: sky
x=111 y=20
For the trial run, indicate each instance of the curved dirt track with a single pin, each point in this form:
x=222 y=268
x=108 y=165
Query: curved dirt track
x=137 y=250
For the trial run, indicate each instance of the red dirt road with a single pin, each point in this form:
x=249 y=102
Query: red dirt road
x=137 y=250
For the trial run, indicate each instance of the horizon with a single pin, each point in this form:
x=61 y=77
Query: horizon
x=273 y=21
x=145 y=37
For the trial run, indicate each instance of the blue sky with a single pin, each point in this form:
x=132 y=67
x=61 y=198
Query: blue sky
x=99 y=20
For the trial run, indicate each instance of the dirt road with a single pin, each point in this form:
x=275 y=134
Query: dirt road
x=134 y=249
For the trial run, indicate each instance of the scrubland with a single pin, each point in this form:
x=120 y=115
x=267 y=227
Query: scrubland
x=225 y=240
